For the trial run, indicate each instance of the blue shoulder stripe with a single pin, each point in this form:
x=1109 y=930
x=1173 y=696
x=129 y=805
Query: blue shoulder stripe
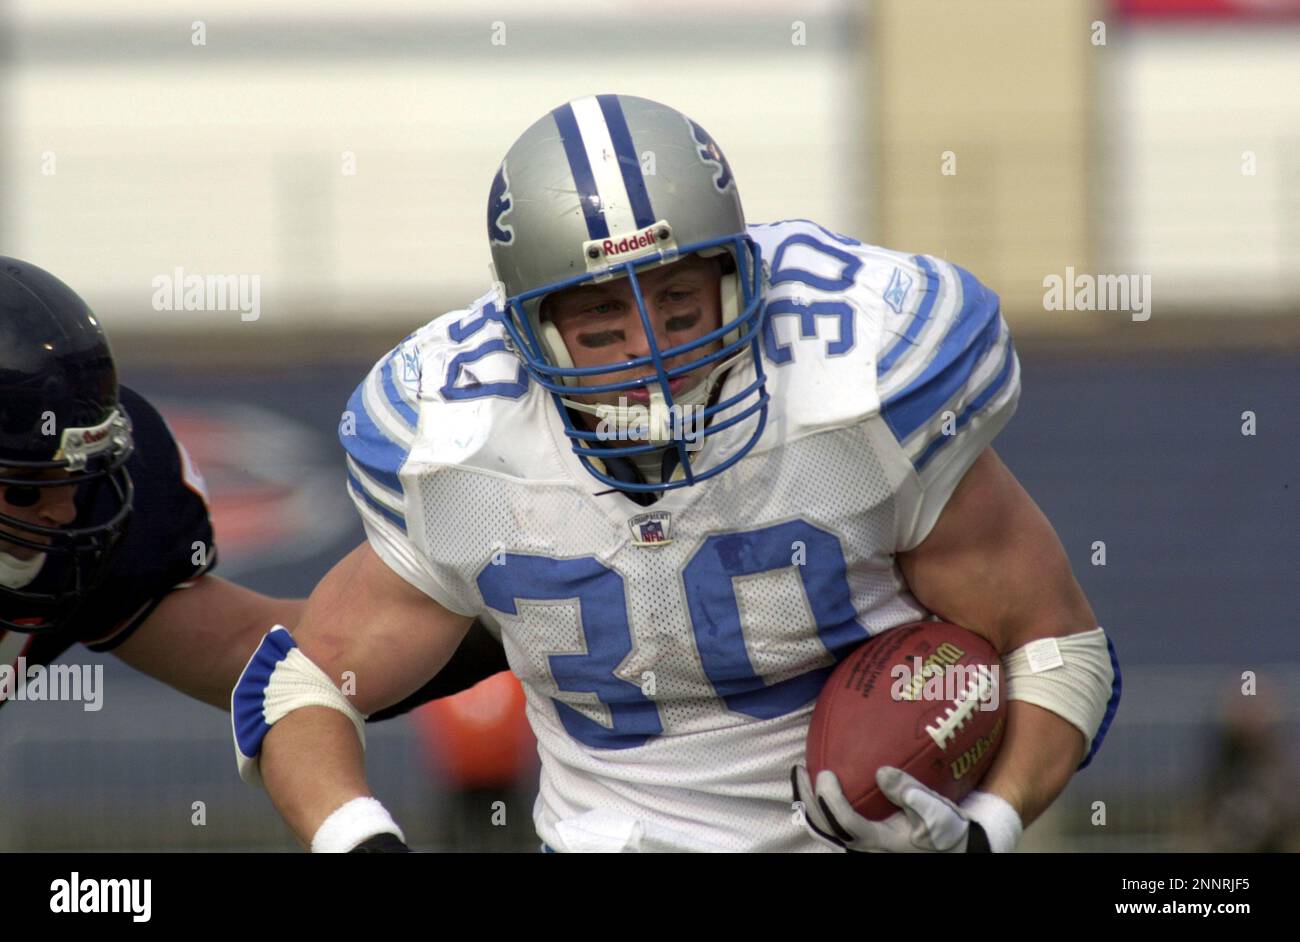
x=359 y=489
x=975 y=406
x=974 y=331
x=1116 y=688
x=394 y=396
x=930 y=293
x=370 y=447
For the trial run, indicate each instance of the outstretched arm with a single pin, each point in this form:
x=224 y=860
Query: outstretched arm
x=364 y=619
x=199 y=638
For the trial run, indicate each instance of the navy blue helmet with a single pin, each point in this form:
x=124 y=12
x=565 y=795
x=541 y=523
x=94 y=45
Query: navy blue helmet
x=61 y=425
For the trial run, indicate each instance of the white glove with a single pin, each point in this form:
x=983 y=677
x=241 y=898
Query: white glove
x=927 y=822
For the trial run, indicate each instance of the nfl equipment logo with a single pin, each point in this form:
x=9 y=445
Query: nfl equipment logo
x=652 y=529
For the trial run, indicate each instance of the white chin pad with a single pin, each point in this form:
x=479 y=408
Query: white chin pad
x=16 y=573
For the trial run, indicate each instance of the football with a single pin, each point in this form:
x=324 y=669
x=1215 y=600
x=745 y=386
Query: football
x=925 y=698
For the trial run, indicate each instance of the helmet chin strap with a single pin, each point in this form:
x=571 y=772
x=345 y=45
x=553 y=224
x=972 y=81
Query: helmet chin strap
x=654 y=418
x=16 y=573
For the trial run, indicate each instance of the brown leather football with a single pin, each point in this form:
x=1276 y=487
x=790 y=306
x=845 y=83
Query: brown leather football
x=926 y=698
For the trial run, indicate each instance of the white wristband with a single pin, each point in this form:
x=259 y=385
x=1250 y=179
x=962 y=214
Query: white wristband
x=351 y=823
x=1000 y=821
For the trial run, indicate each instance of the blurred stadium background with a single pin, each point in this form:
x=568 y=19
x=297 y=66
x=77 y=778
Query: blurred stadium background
x=343 y=158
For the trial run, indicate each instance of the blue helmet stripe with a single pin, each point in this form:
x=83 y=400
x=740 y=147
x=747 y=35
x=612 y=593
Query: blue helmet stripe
x=592 y=207
x=628 y=162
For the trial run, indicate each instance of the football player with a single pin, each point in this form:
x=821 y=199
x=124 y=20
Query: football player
x=105 y=538
x=683 y=465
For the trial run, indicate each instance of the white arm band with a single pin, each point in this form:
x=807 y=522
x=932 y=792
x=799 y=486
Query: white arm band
x=277 y=680
x=1000 y=821
x=351 y=823
x=1071 y=676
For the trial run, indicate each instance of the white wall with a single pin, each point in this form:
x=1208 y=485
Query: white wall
x=1180 y=107
x=228 y=158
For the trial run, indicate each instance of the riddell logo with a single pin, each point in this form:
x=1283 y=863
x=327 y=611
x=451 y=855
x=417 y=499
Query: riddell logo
x=643 y=239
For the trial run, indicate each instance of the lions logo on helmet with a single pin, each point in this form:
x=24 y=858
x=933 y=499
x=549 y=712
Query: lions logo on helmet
x=711 y=154
x=499 y=206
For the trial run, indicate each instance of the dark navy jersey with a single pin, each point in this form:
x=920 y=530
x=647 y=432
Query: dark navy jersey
x=169 y=543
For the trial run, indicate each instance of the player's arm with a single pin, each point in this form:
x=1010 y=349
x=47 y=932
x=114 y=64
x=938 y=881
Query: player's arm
x=994 y=565
x=199 y=637
x=364 y=619
x=975 y=550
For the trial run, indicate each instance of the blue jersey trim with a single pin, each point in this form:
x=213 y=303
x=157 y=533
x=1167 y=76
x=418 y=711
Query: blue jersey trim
x=380 y=456
x=383 y=510
x=976 y=406
x=929 y=294
x=970 y=338
x=394 y=397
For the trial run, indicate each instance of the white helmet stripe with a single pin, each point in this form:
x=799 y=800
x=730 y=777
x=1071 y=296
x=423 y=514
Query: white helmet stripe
x=605 y=171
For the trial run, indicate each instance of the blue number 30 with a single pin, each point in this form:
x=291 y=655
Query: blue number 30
x=715 y=621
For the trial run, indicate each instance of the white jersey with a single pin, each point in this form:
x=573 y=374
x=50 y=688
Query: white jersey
x=672 y=653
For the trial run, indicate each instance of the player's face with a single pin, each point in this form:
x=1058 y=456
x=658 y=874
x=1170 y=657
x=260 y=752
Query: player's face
x=601 y=325
x=42 y=506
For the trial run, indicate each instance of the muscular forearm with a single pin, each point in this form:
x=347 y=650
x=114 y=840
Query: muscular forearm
x=199 y=638
x=1037 y=758
x=312 y=764
x=366 y=624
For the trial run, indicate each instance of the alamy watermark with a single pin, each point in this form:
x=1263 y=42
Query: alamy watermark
x=635 y=422
x=1084 y=292
x=85 y=895
x=932 y=679
x=83 y=682
x=181 y=292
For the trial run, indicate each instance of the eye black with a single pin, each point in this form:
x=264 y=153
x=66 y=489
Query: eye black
x=22 y=495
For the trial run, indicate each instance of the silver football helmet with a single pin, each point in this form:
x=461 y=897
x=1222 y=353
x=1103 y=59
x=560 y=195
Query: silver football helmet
x=600 y=188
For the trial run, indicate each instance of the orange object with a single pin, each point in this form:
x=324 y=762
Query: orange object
x=480 y=737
